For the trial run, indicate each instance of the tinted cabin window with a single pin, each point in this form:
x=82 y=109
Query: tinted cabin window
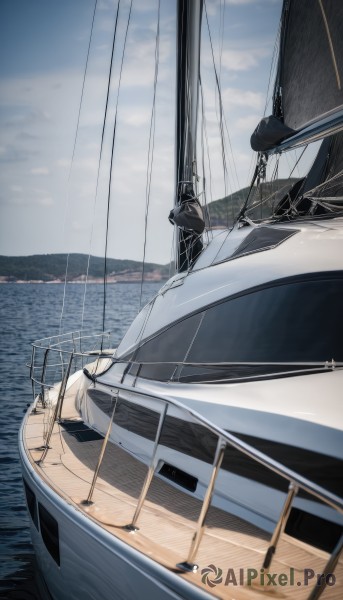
x=31 y=503
x=170 y=346
x=286 y=323
x=49 y=532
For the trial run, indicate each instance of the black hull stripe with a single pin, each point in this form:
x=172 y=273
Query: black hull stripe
x=195 y=440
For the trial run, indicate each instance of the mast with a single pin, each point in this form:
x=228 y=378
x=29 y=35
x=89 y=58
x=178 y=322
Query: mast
x=189 y=13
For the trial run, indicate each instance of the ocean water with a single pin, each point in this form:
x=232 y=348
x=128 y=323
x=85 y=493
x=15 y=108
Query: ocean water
x=29 y=312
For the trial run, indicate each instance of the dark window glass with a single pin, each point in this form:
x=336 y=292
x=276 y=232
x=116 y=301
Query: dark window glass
x=31 y=503
x=171 y=345
x=49 y=531
x=299 y=322
x=161 y=372
x=290 y=322
x=217 y=373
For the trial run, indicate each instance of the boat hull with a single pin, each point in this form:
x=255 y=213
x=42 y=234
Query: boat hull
x=93 y=563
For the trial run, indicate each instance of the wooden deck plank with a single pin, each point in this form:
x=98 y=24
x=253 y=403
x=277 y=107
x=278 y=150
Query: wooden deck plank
x=168 y=519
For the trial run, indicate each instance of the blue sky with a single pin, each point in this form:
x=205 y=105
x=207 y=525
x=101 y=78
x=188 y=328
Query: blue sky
x=45 y=208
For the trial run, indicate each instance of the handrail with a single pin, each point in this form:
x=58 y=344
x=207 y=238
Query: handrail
x=295 y=481
x=325 y=364
x=224 y=438
x=308 y=486
x=151 y=470
x=188 y=564
x=58 y=409
x=102 y=452
x=39 y=344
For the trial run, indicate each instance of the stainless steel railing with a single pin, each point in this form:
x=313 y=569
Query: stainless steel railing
x=66 y=347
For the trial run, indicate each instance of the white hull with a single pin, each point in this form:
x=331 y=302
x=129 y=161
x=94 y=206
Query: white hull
x=217 y=432
x=97 y=558
x=95 y=564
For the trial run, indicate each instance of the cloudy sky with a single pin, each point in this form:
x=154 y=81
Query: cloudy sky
x=48 y=207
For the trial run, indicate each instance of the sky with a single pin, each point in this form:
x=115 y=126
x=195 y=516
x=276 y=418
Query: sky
x=49 y=197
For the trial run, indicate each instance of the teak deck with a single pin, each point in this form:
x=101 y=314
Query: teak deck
x=168 y=519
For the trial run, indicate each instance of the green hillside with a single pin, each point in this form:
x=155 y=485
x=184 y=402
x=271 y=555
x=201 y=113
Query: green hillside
x=49 y=267
x=219 y=213
x=222 y=212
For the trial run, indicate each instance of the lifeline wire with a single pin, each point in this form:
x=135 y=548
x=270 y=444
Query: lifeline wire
x=100 y=156
x=221 y=129
x=72 y=158
x=203 y=127
x=151 y=146
x=111 y=167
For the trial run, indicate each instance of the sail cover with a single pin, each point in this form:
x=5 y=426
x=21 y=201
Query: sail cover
x=311 y=61
x=309 y=82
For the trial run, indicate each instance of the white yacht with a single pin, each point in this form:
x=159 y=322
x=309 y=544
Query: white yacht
x=203 y=456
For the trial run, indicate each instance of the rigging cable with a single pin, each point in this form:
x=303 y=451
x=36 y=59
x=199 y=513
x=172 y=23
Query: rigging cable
x=253 y=177
x=100 y=153
x=222 y=31
x=72 y=158
x=297 y=162
x=111 y=167
x=151 y=146
x=272 y=66
x=223 y=124
x=204 y=140
x=221 y=128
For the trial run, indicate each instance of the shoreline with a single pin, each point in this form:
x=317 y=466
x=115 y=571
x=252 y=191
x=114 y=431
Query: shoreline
x=78 y=282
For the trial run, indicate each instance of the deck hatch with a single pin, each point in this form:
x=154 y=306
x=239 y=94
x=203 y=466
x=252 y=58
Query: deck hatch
x=80 y=431
x=263 y=238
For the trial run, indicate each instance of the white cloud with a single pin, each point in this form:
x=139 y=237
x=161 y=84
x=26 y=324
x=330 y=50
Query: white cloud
x=247 y=123
x=39 y=115
x=86 y=164
x=136 y=117
x=238 y=97
x=40 y=171
x=63 y=162
x=44 y=201
x=242 y=60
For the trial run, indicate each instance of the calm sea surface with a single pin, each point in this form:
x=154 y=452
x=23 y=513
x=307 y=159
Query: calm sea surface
x=29 y=312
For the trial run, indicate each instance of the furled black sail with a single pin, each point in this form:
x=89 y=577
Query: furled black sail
x=309 y=84
x=187 y=213
x=320 y=192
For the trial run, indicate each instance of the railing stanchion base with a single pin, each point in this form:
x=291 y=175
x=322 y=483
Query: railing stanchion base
x=86 y=502
x=131 y=528
x=187 y=567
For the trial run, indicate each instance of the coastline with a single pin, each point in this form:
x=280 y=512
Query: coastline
x=124 y=278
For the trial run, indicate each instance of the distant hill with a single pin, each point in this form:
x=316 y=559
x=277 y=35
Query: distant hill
x=222 y=212
x=52 y=267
